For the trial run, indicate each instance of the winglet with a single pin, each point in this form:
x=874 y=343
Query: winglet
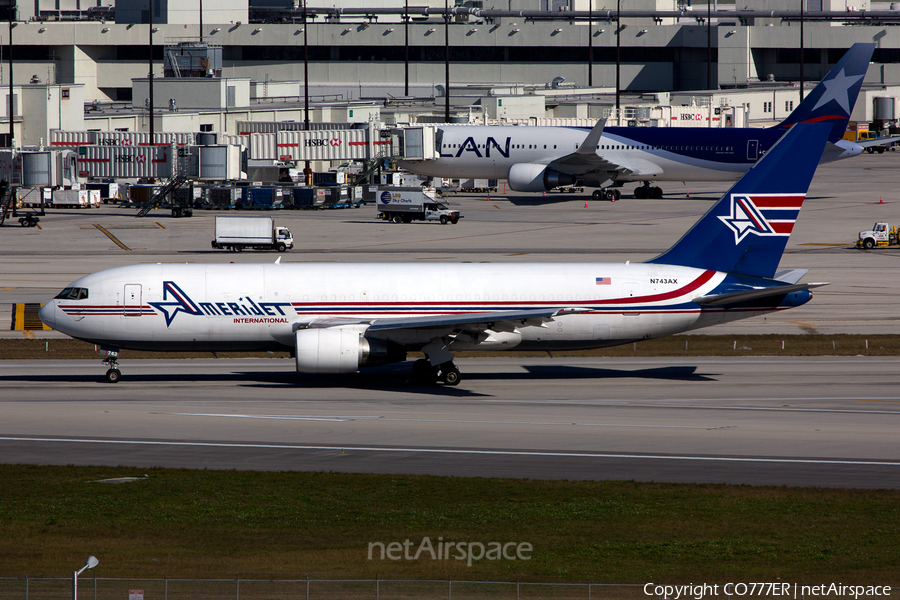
x=590 y=143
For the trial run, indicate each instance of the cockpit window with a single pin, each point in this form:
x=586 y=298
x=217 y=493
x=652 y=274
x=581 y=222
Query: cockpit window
x=73 y=293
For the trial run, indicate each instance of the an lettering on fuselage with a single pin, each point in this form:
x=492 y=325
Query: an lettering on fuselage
x=665 y=281
x=470 y=146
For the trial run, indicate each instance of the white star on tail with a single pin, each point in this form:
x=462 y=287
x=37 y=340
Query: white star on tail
x=838 y=89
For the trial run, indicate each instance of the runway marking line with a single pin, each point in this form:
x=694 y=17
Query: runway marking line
x=161 y=226
x=112 y=237
x=345 y=418
x=870 y=400
x=811 y=461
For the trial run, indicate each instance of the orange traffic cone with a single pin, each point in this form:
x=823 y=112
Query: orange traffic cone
x=689 y=193
x=880 y=199
x=585 y=203
x=545 y=194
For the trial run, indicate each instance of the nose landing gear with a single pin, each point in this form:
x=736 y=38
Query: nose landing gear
x=112 y=361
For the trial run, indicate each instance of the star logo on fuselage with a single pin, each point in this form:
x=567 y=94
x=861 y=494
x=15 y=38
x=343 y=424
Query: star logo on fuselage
x=182 y=303
x=745 y=218
x=838 y=89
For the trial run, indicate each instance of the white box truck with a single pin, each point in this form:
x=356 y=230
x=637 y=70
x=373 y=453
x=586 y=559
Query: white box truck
x=408 y=204
x=257 y=233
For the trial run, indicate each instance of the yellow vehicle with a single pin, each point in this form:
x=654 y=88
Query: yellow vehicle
x=871 y=135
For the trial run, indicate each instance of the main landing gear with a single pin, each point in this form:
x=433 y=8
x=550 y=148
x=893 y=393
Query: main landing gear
x=112 y=361
x=447 y=373
x=645 y=191
x=606 y=194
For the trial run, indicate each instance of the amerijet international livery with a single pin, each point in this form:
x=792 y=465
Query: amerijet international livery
x=336 y=318
x=537 y=159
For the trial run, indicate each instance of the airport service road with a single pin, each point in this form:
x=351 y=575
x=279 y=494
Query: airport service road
x=785 y=421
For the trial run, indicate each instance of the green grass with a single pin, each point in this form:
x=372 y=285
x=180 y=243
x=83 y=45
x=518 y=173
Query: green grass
x=182 y=523
x=681 y=345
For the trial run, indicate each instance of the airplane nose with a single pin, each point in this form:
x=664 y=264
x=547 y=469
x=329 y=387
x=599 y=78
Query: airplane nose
x=48 y=314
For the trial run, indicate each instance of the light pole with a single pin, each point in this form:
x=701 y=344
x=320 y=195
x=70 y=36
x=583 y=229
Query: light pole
x=90 y=563
x=150 y=61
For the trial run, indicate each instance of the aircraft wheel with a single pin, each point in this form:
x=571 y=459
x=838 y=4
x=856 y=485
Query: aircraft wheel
x=656 y=192
x=616 y=195
x=443 y=220
x=640 y=192
x=113 y=375
x=598 y=195
x=450 y=374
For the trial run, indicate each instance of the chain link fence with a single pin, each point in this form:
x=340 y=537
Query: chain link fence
x=89 y=588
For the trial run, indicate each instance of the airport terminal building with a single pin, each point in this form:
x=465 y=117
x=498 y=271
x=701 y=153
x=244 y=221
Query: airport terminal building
x=509 y=60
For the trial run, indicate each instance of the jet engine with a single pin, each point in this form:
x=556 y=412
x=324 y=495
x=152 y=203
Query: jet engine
x=341 y=350
x=528 y=177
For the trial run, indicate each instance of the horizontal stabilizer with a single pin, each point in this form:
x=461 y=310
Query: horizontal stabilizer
x=790 y=275
x=750 y=295
x=879 y=141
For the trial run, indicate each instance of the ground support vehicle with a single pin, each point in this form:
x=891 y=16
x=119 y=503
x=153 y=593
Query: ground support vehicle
x=256 y=233
x=880 y=236
x=405 y=205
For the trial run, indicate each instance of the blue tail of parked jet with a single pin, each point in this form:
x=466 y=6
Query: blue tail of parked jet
x=832 y=100
x=746 y=231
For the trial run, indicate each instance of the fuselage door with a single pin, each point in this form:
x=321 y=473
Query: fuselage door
x=132 y=300
x=752 y=149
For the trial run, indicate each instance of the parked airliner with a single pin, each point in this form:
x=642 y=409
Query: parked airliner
x=537 y=159
x=336 y=318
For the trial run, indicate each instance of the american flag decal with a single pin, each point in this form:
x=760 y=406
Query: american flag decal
x=604 y=281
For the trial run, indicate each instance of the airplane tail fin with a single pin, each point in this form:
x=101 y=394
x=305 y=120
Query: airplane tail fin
x=747 y=230
x=833 y=99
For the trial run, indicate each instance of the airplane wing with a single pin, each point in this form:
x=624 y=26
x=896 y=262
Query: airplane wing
x=585 y=160
x=495 y=321
x=750 y=295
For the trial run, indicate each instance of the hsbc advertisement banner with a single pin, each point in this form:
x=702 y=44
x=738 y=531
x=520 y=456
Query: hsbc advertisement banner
x=125 y=161
x=338 y=144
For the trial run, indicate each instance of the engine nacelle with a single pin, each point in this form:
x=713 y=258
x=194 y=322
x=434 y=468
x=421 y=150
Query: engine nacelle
x=528 y=177
x=341 y=350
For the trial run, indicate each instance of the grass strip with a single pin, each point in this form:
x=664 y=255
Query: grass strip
x=679 y=345
x=184 y=523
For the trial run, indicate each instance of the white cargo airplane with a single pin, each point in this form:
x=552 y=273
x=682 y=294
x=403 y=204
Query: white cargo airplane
x=537 y=159
x=337 y=318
